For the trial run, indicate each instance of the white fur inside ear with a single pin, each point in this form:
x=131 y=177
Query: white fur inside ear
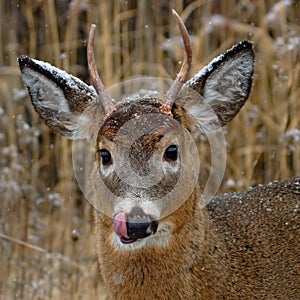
x=205 y=118
x=229 y=82
x=44 y=92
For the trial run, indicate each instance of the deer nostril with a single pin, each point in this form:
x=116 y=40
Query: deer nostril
x=152 y=228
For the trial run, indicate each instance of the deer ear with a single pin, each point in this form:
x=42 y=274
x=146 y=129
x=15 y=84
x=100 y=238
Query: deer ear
x=223 y=86
x=58 y=97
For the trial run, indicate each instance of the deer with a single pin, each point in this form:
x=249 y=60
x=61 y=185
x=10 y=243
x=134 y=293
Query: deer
x=240 y=245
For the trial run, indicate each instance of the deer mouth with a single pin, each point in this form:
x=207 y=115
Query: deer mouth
x=130 y=230
x=125 y=240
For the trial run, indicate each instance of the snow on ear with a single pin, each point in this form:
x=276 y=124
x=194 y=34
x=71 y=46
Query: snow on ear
x=59 y=98
x=222 y=87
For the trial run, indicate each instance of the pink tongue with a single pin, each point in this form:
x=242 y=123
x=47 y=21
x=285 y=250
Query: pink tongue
x=120 y=225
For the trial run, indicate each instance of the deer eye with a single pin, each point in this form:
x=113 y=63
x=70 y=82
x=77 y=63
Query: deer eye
x=171 y=153
x=105 y=157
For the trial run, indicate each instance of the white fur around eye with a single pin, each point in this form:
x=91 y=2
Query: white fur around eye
x=106 y=170
x=171 y=169
x=171 y=166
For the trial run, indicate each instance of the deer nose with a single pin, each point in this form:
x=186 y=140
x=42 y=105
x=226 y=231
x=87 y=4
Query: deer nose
x=141 y=229
x=139 y=224
x=135 y=225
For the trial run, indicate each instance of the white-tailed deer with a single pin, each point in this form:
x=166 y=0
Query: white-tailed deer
x=239 y=246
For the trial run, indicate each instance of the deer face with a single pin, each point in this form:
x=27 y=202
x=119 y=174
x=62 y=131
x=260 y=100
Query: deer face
x=143 y=156
x=146 y=159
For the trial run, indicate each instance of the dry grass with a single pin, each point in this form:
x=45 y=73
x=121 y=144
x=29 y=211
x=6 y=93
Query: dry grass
x=46 y=242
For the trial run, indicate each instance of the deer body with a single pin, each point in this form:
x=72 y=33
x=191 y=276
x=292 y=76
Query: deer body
x=150 y=246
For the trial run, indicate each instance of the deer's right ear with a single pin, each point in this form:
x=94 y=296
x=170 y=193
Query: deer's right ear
x=59 y=98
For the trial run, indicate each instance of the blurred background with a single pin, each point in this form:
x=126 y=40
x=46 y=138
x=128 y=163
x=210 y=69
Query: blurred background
x=47 y=248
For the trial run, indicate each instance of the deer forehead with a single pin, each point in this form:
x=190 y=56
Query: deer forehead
x=140 y=125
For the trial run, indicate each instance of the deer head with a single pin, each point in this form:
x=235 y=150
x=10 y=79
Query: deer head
x=145 y=149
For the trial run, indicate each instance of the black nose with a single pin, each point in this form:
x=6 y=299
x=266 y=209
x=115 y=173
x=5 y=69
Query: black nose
x=139 y=224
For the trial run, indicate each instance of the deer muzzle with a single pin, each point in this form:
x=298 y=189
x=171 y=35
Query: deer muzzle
x=135 y=225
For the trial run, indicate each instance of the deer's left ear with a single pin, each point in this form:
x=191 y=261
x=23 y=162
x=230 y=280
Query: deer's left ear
x=224 y=86
x=60 y=98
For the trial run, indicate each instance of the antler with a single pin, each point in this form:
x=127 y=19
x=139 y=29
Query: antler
x=106 y=100
x=176 y=86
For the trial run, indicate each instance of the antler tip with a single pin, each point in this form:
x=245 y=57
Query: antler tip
x=174 y=12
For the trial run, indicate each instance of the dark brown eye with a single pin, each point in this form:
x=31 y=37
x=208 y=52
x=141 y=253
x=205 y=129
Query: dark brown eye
x=171 y=153
x=105 y=157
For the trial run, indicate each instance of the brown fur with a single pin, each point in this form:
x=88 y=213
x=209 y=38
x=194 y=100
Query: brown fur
x=241 y=246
